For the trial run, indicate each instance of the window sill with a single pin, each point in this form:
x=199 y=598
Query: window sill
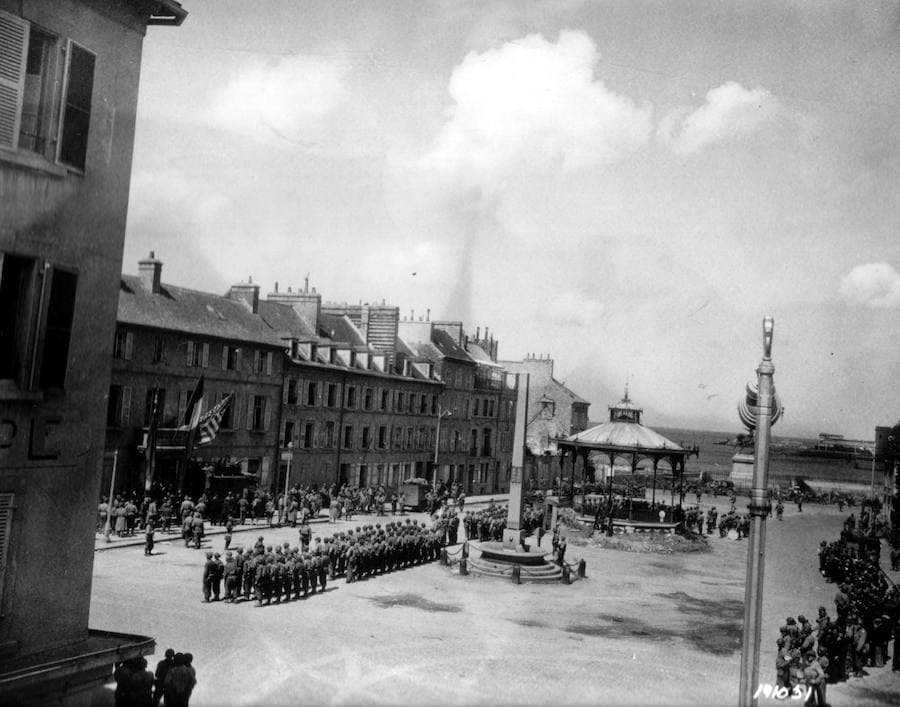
x=35 y=162
x=10 y=391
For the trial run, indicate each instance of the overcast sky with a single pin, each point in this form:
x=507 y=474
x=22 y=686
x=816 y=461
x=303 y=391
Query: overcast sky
x=628 y=187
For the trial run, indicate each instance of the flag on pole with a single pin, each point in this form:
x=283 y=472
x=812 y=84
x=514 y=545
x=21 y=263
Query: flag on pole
x=153 y=428
x=192 y=411
x=152 y=432
x=209 y=423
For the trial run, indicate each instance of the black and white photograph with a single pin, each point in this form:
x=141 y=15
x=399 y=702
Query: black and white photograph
x=449 y=352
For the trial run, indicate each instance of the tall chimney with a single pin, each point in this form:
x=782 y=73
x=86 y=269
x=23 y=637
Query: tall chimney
x=150 y=272
x=246 y=292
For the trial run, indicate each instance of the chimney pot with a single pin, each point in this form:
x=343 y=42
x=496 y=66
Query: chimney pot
x=150 y=272
x=276 y=285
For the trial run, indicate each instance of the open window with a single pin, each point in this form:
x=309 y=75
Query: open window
x=37 y=308
x=46 y=93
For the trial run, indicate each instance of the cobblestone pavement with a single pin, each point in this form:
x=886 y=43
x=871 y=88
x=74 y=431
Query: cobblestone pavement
x=641 y=629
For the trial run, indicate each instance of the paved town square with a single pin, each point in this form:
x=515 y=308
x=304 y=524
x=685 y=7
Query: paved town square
x=641 y=629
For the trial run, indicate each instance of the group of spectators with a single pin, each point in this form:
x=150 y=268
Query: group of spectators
x=173 y=681
x=867 y=607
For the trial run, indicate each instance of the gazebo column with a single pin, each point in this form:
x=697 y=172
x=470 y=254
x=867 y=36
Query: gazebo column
x=674 y=471
x=562 y=474
x=574 y=464
x=681 y=486
x=584 y=466
x=655 y=464
x=609 y=527
x=631 y=488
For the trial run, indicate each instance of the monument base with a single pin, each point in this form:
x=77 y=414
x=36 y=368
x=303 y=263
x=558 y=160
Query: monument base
x=742 y=470
x=510 y=554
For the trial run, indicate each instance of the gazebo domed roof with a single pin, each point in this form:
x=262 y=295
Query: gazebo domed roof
x=628 y=435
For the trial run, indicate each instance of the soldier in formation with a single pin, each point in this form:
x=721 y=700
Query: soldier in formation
x=270 y=574
x=487 y=524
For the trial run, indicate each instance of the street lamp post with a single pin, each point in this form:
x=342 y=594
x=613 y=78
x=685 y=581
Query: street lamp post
x=112 y=489
x=442 y=413
x=287 y=456
x=758 y=510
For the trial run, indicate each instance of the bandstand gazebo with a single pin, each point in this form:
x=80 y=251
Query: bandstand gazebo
x=624 y=437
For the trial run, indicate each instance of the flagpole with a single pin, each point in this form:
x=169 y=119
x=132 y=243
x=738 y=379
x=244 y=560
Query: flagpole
x=191 y=420
x=152 y=433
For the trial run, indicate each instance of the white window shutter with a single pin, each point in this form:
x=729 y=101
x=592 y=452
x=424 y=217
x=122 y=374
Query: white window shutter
x=284 y=391
x=236 y=413
x=256 y=355
x=205 y=362
x=125 y=417
x=269 y=357
x=13 y=54
x=129 y=346
x=267 y=418
x=249 y=412
x=224 y=357
x=190 y=353
x=182 y=406
x=237 y=360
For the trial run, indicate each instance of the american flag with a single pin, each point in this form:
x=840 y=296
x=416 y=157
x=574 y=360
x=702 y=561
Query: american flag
x=210 y=421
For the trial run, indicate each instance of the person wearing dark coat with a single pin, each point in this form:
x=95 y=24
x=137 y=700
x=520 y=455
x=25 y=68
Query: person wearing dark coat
x=179 y=683
x=209 y=572
x=162 y=669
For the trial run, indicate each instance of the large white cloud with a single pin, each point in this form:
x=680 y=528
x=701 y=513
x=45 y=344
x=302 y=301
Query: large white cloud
x=531 y=106
x=283 y=101
x=730 y=111
x=873 y=285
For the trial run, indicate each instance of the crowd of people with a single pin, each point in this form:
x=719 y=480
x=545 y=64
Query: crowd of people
x=867 y=617
x=173 y=682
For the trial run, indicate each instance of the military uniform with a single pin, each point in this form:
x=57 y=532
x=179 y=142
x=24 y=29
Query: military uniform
x=217 y=576
x=209 y=570
x=231 y=578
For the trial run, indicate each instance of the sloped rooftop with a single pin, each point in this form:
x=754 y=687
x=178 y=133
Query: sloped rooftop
x=201 y=313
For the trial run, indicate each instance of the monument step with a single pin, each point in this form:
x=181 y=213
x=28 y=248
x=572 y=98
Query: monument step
x=534 y=573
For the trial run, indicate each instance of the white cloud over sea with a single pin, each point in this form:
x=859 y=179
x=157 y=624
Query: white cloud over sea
x=874 y=285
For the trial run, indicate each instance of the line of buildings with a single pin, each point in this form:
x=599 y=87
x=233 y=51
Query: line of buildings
x=322 y=393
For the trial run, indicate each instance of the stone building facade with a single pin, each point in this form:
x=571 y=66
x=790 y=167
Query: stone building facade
x=166 y=339
x=554 y=411
x=318 y=401
x=68 y=99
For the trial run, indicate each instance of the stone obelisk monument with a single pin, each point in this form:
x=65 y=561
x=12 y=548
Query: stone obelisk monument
x=511 y=534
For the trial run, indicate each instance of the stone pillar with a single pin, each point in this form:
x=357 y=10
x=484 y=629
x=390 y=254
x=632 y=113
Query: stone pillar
x=514 y=516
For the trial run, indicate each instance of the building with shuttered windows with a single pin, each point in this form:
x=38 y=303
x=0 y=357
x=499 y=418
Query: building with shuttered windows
x=69 y=74
x=168 y=338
